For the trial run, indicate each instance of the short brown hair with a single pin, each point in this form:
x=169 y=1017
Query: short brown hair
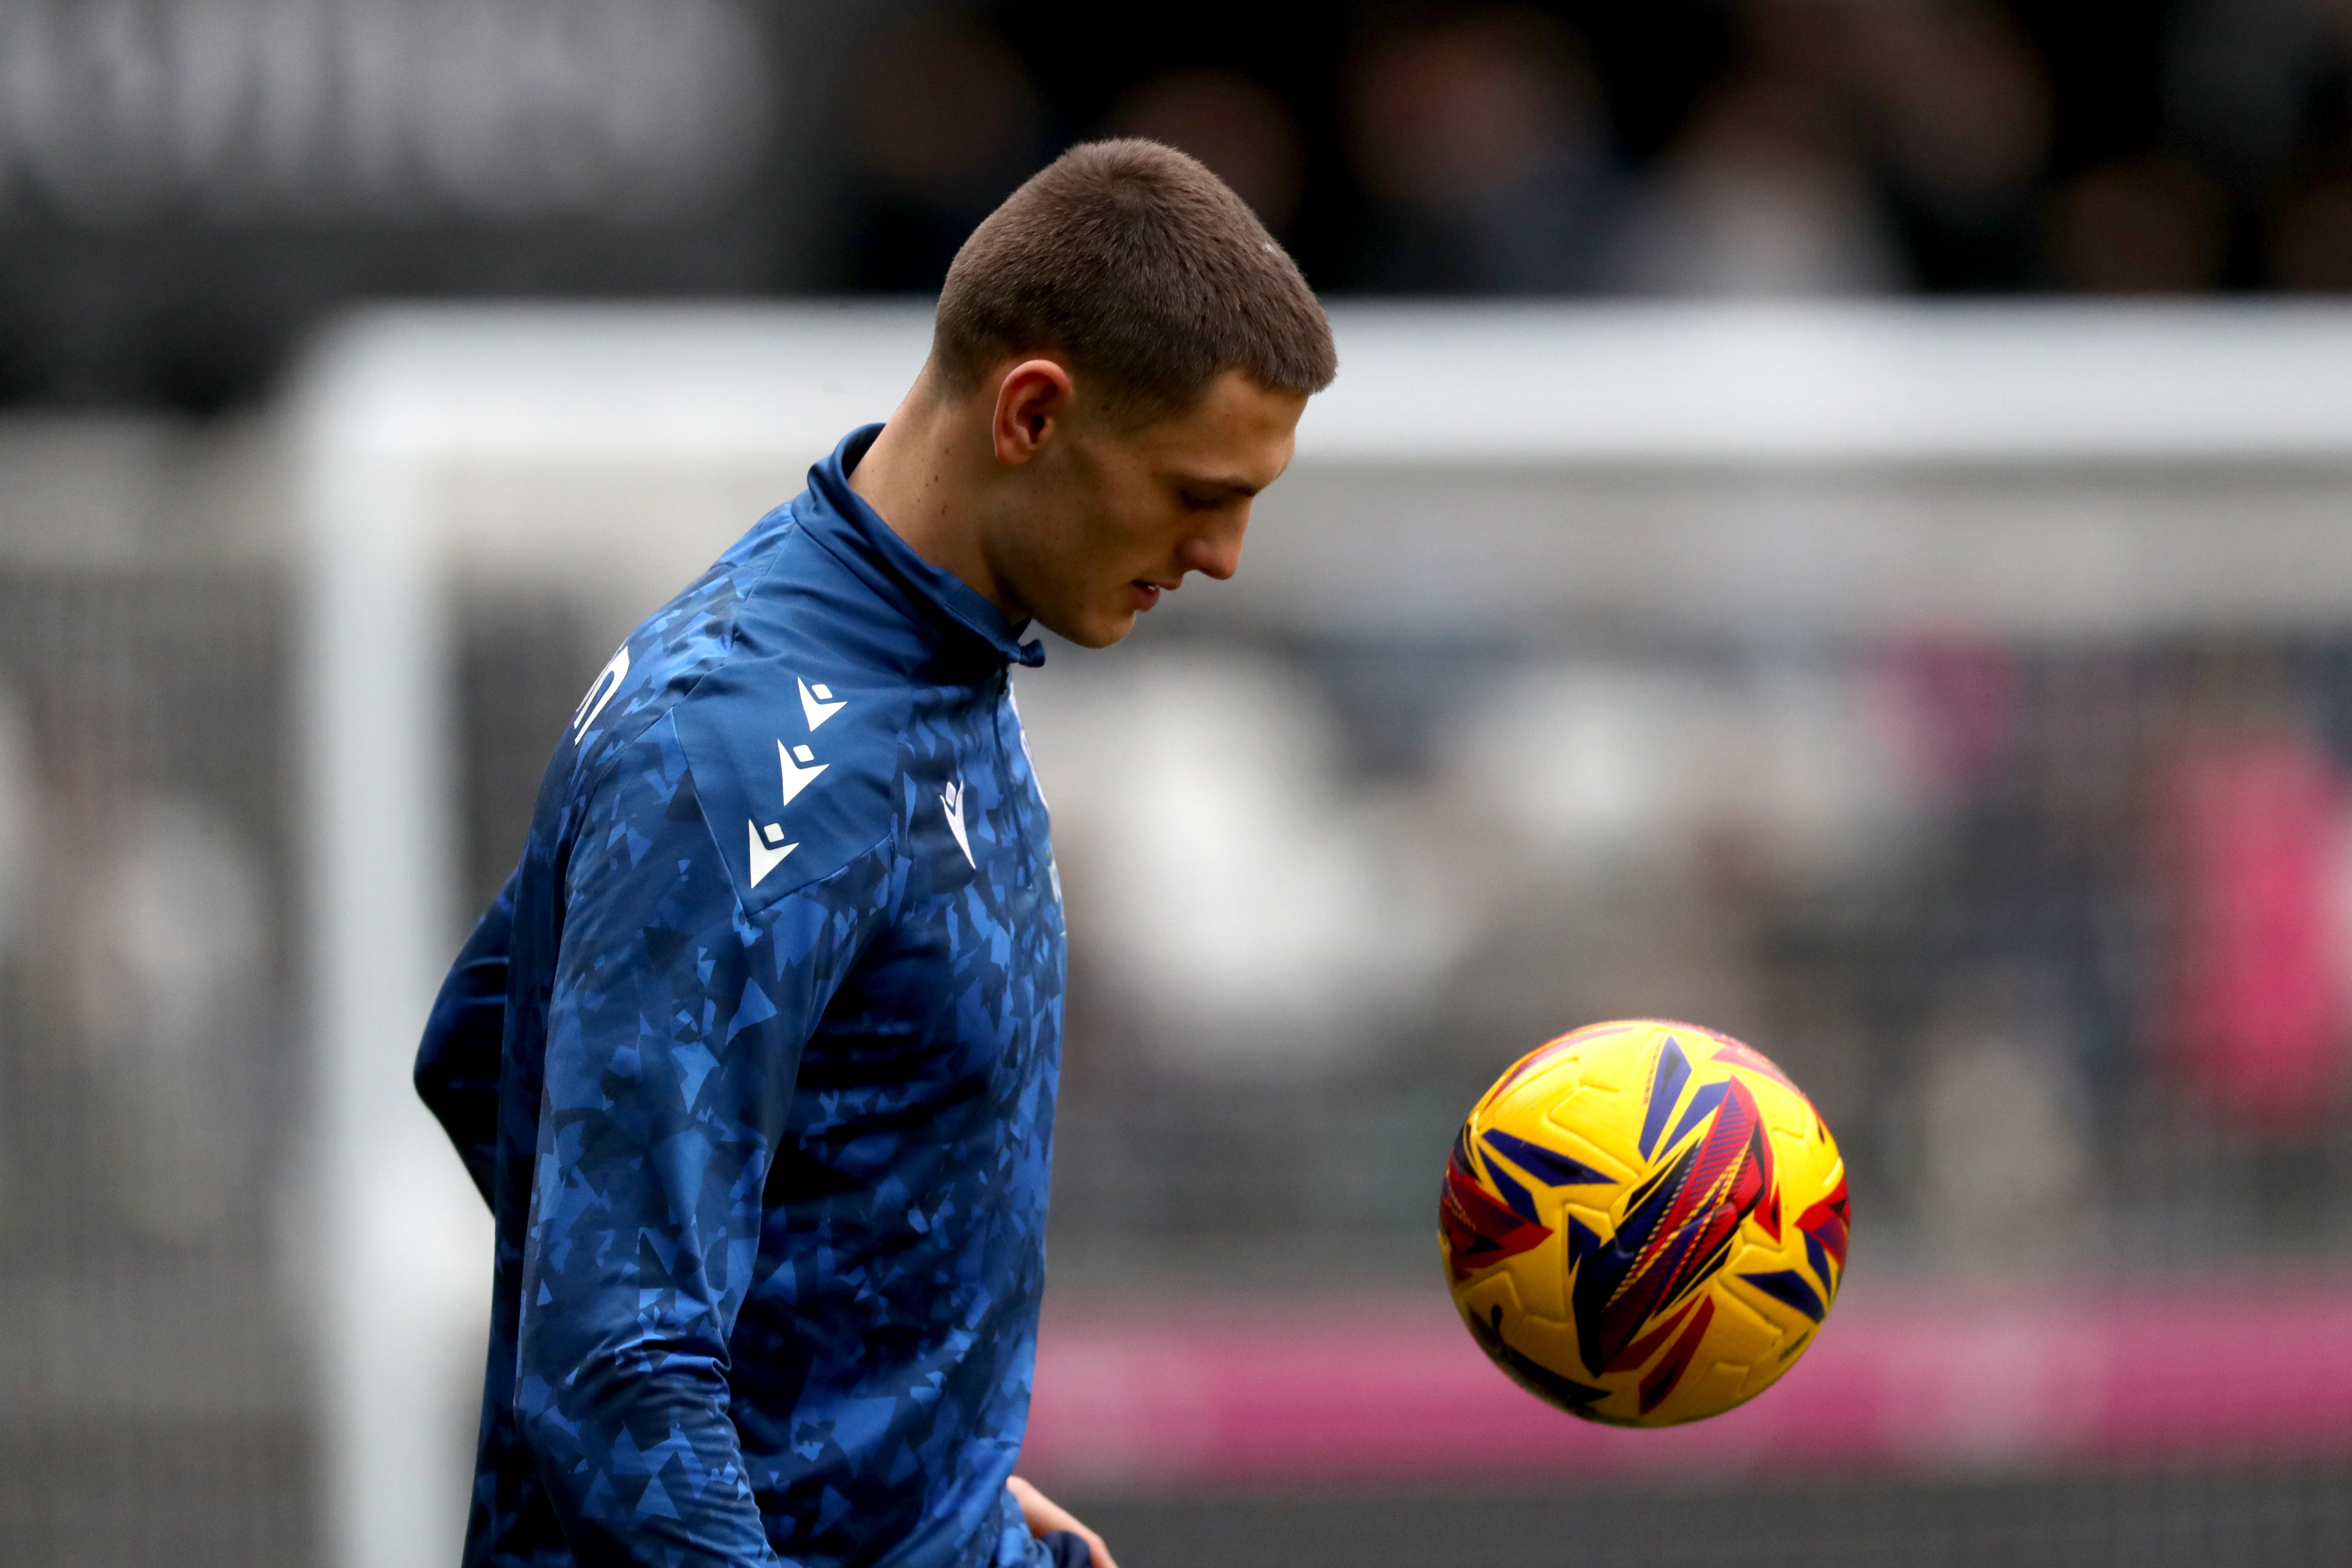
x=1142 y=268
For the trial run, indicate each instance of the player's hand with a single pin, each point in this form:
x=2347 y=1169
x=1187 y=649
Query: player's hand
x=1043 y=1516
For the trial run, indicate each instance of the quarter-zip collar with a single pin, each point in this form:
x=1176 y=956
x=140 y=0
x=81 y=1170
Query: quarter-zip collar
x=839 y=518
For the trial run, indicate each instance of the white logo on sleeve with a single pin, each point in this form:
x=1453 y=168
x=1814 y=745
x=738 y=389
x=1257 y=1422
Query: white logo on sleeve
x=817 y=704
x=798 y=777
x=952 y=803
x=600 y=691
x=768 y=851
x=768 y=847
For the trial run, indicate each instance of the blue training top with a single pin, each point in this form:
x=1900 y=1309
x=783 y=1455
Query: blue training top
x=754 y=1060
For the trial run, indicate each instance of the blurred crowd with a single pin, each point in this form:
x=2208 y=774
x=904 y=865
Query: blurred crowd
x=187 y=190
x=1767 y=147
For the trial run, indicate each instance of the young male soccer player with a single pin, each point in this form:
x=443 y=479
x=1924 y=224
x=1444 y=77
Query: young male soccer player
x=754 y=1057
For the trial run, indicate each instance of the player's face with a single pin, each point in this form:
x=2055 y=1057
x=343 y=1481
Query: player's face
x=1115 y=518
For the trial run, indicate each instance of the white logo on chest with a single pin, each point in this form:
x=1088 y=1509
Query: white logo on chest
x=951 y=803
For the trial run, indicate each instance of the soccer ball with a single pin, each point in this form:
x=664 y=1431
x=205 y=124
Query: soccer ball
x=1643 y=1223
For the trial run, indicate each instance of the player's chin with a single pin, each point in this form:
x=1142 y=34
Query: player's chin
x=1107 y=630
x=1093 y=627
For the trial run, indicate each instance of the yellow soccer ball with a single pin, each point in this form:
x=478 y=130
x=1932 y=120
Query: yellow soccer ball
x=1645 y=1223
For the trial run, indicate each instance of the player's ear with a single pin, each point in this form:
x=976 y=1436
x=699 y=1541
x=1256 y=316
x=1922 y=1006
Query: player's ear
x=1032 y=402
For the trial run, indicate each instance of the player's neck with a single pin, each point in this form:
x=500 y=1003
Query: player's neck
x=912 y=476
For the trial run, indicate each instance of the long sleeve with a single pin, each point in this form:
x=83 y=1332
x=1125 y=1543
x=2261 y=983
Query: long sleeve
x=457 y=1065
x=675 y=1031
x=779 y=1030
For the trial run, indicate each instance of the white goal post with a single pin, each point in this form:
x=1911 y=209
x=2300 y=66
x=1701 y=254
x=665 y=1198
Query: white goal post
x=1814 y=467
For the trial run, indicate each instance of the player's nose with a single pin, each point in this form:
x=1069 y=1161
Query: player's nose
x=1216 y=551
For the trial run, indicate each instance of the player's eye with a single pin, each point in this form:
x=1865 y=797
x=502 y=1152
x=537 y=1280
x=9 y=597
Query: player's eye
x=1196 y=502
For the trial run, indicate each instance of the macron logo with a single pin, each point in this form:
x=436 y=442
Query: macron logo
x=817 y=704
x=797 y=777
x=768 y=847
x=767 y=851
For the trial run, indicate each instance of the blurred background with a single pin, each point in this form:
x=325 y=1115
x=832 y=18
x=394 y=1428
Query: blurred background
x=188 y=186
x=2017 y=829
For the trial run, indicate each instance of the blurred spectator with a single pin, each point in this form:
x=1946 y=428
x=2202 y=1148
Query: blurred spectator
x=1478 y=139
x=1956 y=108
x=2153 y=224
x=2238 y=78
x=948 y=123
x=2256 y=1016
x=2310 y=229
x=1234 y=125
x=1949 y=706
x=2003 y=1161
x=168 y=926
x=1760 y=198
x=1764 y=193
x=2311 y=242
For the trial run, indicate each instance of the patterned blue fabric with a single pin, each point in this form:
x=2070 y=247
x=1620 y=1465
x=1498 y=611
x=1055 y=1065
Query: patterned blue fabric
x=754 y=1061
